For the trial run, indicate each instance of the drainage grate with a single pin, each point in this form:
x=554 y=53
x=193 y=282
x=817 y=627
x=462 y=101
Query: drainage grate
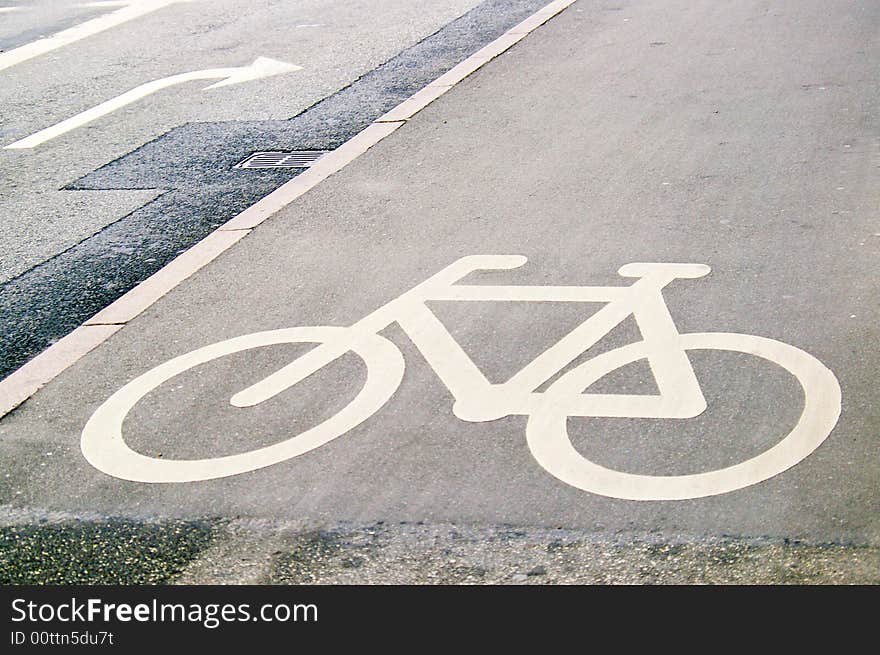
x=289 y=159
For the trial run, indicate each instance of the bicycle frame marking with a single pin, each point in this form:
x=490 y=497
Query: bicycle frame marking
x=479 y=400
x=476 y=399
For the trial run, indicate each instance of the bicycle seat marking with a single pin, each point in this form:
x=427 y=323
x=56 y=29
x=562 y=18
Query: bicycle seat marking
x=477 y=400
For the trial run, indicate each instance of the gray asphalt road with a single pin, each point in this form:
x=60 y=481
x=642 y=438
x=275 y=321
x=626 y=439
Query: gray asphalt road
x=743 y=137
x=334 y=42
x=94 y=210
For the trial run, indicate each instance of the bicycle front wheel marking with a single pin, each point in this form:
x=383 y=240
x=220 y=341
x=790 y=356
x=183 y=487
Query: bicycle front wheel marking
x=103 y=446
x=548 y=440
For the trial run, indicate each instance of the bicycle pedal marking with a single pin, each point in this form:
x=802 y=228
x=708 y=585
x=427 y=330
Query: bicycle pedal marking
x=476 y=399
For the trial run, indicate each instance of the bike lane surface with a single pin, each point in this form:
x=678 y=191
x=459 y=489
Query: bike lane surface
x=655 y=132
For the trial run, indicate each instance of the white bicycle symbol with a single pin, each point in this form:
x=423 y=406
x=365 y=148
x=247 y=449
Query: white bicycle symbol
x=476 y=399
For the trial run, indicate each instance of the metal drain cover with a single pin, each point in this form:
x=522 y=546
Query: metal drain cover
x=282 y=159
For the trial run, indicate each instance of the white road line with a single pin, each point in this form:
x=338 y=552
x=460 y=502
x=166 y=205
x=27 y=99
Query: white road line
x=262 y=67
x=131 y=10
x=5 y=9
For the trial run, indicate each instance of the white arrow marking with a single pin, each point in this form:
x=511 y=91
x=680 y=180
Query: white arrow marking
x=131 y=10
x=262 y=67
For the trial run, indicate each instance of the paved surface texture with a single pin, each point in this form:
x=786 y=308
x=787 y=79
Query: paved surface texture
x=742 y=136
x=342 y=42
x=87 y=216
x=98 y=553
x=60 y=550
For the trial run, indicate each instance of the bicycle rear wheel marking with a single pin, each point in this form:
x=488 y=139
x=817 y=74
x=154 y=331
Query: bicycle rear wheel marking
x=547 y=432
x=103 y=446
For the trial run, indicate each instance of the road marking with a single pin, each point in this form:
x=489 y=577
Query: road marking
x=131 y=10
x=27 y=380
x=549 y=442
x=262 y=67
x=5 y=9
x=478 y=400
x=105 y=449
